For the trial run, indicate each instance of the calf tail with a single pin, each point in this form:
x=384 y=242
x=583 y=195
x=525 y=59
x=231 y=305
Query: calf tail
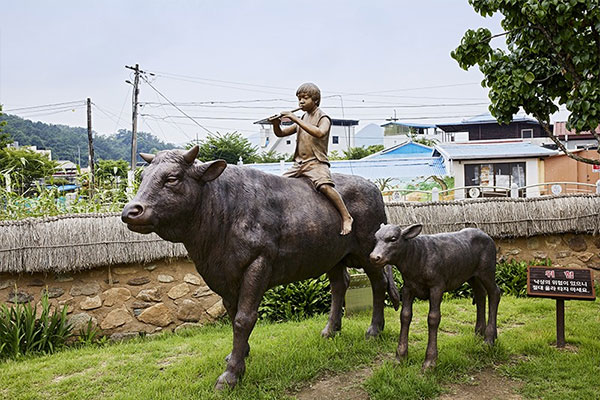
x=392 y=289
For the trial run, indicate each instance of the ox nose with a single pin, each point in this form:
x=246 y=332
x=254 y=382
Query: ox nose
x=132 y=211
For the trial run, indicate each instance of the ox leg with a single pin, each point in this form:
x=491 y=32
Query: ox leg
x=405 y=319
x=494 y=293
x=433 y=323
x=339 y=280
x=379 y=288
x=253 y=287
x=231 y=307
x=479 y=300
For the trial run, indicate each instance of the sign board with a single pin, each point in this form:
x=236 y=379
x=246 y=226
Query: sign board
x=560 y=283
x=595 y=168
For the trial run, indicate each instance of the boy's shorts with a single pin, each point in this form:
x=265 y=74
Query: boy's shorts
x=318 y=172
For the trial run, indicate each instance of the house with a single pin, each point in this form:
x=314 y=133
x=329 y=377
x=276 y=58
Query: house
x=341 y=136
x=407 y=149
x=486 y=127
x=572 y=140
x=369 y=135
x=399 y=132
x=67 y=170
x=494 y=167
x=561 y=168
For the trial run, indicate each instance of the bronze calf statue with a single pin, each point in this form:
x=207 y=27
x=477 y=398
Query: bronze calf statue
x=434 y=264
x=247 y=231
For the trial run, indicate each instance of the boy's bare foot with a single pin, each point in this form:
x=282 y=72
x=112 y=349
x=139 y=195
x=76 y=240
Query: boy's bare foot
x=346 y=226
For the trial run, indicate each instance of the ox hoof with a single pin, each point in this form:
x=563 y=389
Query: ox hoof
x=226 y=380
x=328 y=332
x=489 y=341
x=373 y=332
x=428 y=365
x=401 y=355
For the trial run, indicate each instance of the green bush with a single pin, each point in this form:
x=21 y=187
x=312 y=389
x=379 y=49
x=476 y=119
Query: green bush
x=511 y=277
x=296 y=301
x=21 y=332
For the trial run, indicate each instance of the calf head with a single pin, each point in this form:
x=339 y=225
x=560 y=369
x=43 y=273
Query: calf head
x=392 y=242
x=169 y=198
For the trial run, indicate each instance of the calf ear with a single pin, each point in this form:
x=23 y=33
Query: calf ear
x=412 y=231
x=211 y=170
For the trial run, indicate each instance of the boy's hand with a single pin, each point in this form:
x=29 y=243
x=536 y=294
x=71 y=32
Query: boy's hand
x=290 y=115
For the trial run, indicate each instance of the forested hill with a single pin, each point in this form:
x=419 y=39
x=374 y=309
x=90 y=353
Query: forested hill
x=64 y=140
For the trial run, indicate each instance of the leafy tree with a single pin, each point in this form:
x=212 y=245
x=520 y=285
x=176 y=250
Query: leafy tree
x=5 y=138
x=356 y=153
x=24 y=167
x=108 y=170
x=270 y=157
x=552 y=59
x=229 y=147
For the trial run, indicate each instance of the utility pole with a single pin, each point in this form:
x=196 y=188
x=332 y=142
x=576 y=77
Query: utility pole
x=90 y=147
x=136 y=91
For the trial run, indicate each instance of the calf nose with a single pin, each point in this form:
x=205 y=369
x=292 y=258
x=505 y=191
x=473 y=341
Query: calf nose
x=375 y=258
x=132 y=211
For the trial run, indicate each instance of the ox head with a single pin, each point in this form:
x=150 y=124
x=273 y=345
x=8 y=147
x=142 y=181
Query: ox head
x=392 y=242
x=169 y=197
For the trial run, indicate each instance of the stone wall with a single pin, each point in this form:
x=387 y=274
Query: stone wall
x=566 y=250
x=123 y=300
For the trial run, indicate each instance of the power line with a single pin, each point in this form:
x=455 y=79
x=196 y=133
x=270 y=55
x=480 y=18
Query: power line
x=44 y=106
x=180 y=110
x=328 y=107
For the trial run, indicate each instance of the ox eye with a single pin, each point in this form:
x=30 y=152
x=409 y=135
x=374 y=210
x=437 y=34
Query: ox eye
x=172 y=180
x=393 y=239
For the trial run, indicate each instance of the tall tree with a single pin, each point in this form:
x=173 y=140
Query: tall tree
x=5 y=138
x=229 y=147
x=552 y=59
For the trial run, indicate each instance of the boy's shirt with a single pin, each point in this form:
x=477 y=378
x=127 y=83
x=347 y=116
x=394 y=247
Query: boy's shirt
x=316 y=147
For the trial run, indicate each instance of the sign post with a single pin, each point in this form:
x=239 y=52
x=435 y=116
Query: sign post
x=560 y=284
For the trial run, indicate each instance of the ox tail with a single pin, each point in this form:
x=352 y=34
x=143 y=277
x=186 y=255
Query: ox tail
x=392 y=289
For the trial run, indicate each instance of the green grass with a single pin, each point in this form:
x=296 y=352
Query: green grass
x=288 y=356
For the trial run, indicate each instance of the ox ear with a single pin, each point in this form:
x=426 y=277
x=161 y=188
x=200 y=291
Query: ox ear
x=211 y=170
x=411 y=231
x=191 y=154
x=147 y=157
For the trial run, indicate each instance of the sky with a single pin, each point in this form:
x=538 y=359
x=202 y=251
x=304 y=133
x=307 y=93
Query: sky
x=225 y=64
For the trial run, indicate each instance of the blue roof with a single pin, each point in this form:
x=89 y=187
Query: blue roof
x=488 y=118
x=471 y=151
x=403 y=150
x=407 y=168
x=63 y=188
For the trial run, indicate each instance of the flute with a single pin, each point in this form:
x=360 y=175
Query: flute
x=276 y=116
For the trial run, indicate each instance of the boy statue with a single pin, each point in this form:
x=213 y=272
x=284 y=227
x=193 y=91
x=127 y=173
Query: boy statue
x=310 y=157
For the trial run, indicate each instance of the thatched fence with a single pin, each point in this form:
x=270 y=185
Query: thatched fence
x=84 y=241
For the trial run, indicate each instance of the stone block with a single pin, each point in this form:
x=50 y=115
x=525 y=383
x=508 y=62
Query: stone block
x=91 y=303
x=80 y=321
x=53 y=292
x=178 y=291
x=149 y=295
x=138 y=281
x=116 y=296
x=190 y=311
x=157 y=315
x=165 y=278
x=193 y=280
x=87 y=289
x=217 y=310
x=116 y=318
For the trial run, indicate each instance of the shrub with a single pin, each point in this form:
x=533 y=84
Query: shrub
x=21 y=332
x=296 y=301
x=511 y=277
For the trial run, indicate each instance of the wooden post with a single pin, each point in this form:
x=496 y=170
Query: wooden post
x=560 y=323
x=136 y=91
x=90 y=147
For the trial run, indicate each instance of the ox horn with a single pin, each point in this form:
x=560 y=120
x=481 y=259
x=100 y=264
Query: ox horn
x=191 y=154
x=147 y=157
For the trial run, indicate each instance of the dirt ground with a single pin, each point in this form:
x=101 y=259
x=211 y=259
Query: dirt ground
x=484 y=385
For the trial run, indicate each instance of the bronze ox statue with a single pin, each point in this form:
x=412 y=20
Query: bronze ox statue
x=434 y=264
x=247 y=231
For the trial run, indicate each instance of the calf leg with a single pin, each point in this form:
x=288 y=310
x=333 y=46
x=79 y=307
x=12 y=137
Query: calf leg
x=479 y=293
x=231 y=308
x=379 y=285
x=254 y=285
x=405 y=318
x=433 y=323
x=493 y=291
x=339 y=280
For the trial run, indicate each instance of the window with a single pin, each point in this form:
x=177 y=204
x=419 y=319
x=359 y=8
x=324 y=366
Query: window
x=526 y=133
x=288 y=142
x=335 y=139
x=499 y=176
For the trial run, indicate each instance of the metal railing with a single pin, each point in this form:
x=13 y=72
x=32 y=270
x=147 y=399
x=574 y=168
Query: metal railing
x=458 y=193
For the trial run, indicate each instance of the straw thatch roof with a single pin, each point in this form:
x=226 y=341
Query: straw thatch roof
x=83 y=241
x=504 y=217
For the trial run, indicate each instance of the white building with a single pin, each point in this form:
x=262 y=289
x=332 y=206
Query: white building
x=341 y=137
